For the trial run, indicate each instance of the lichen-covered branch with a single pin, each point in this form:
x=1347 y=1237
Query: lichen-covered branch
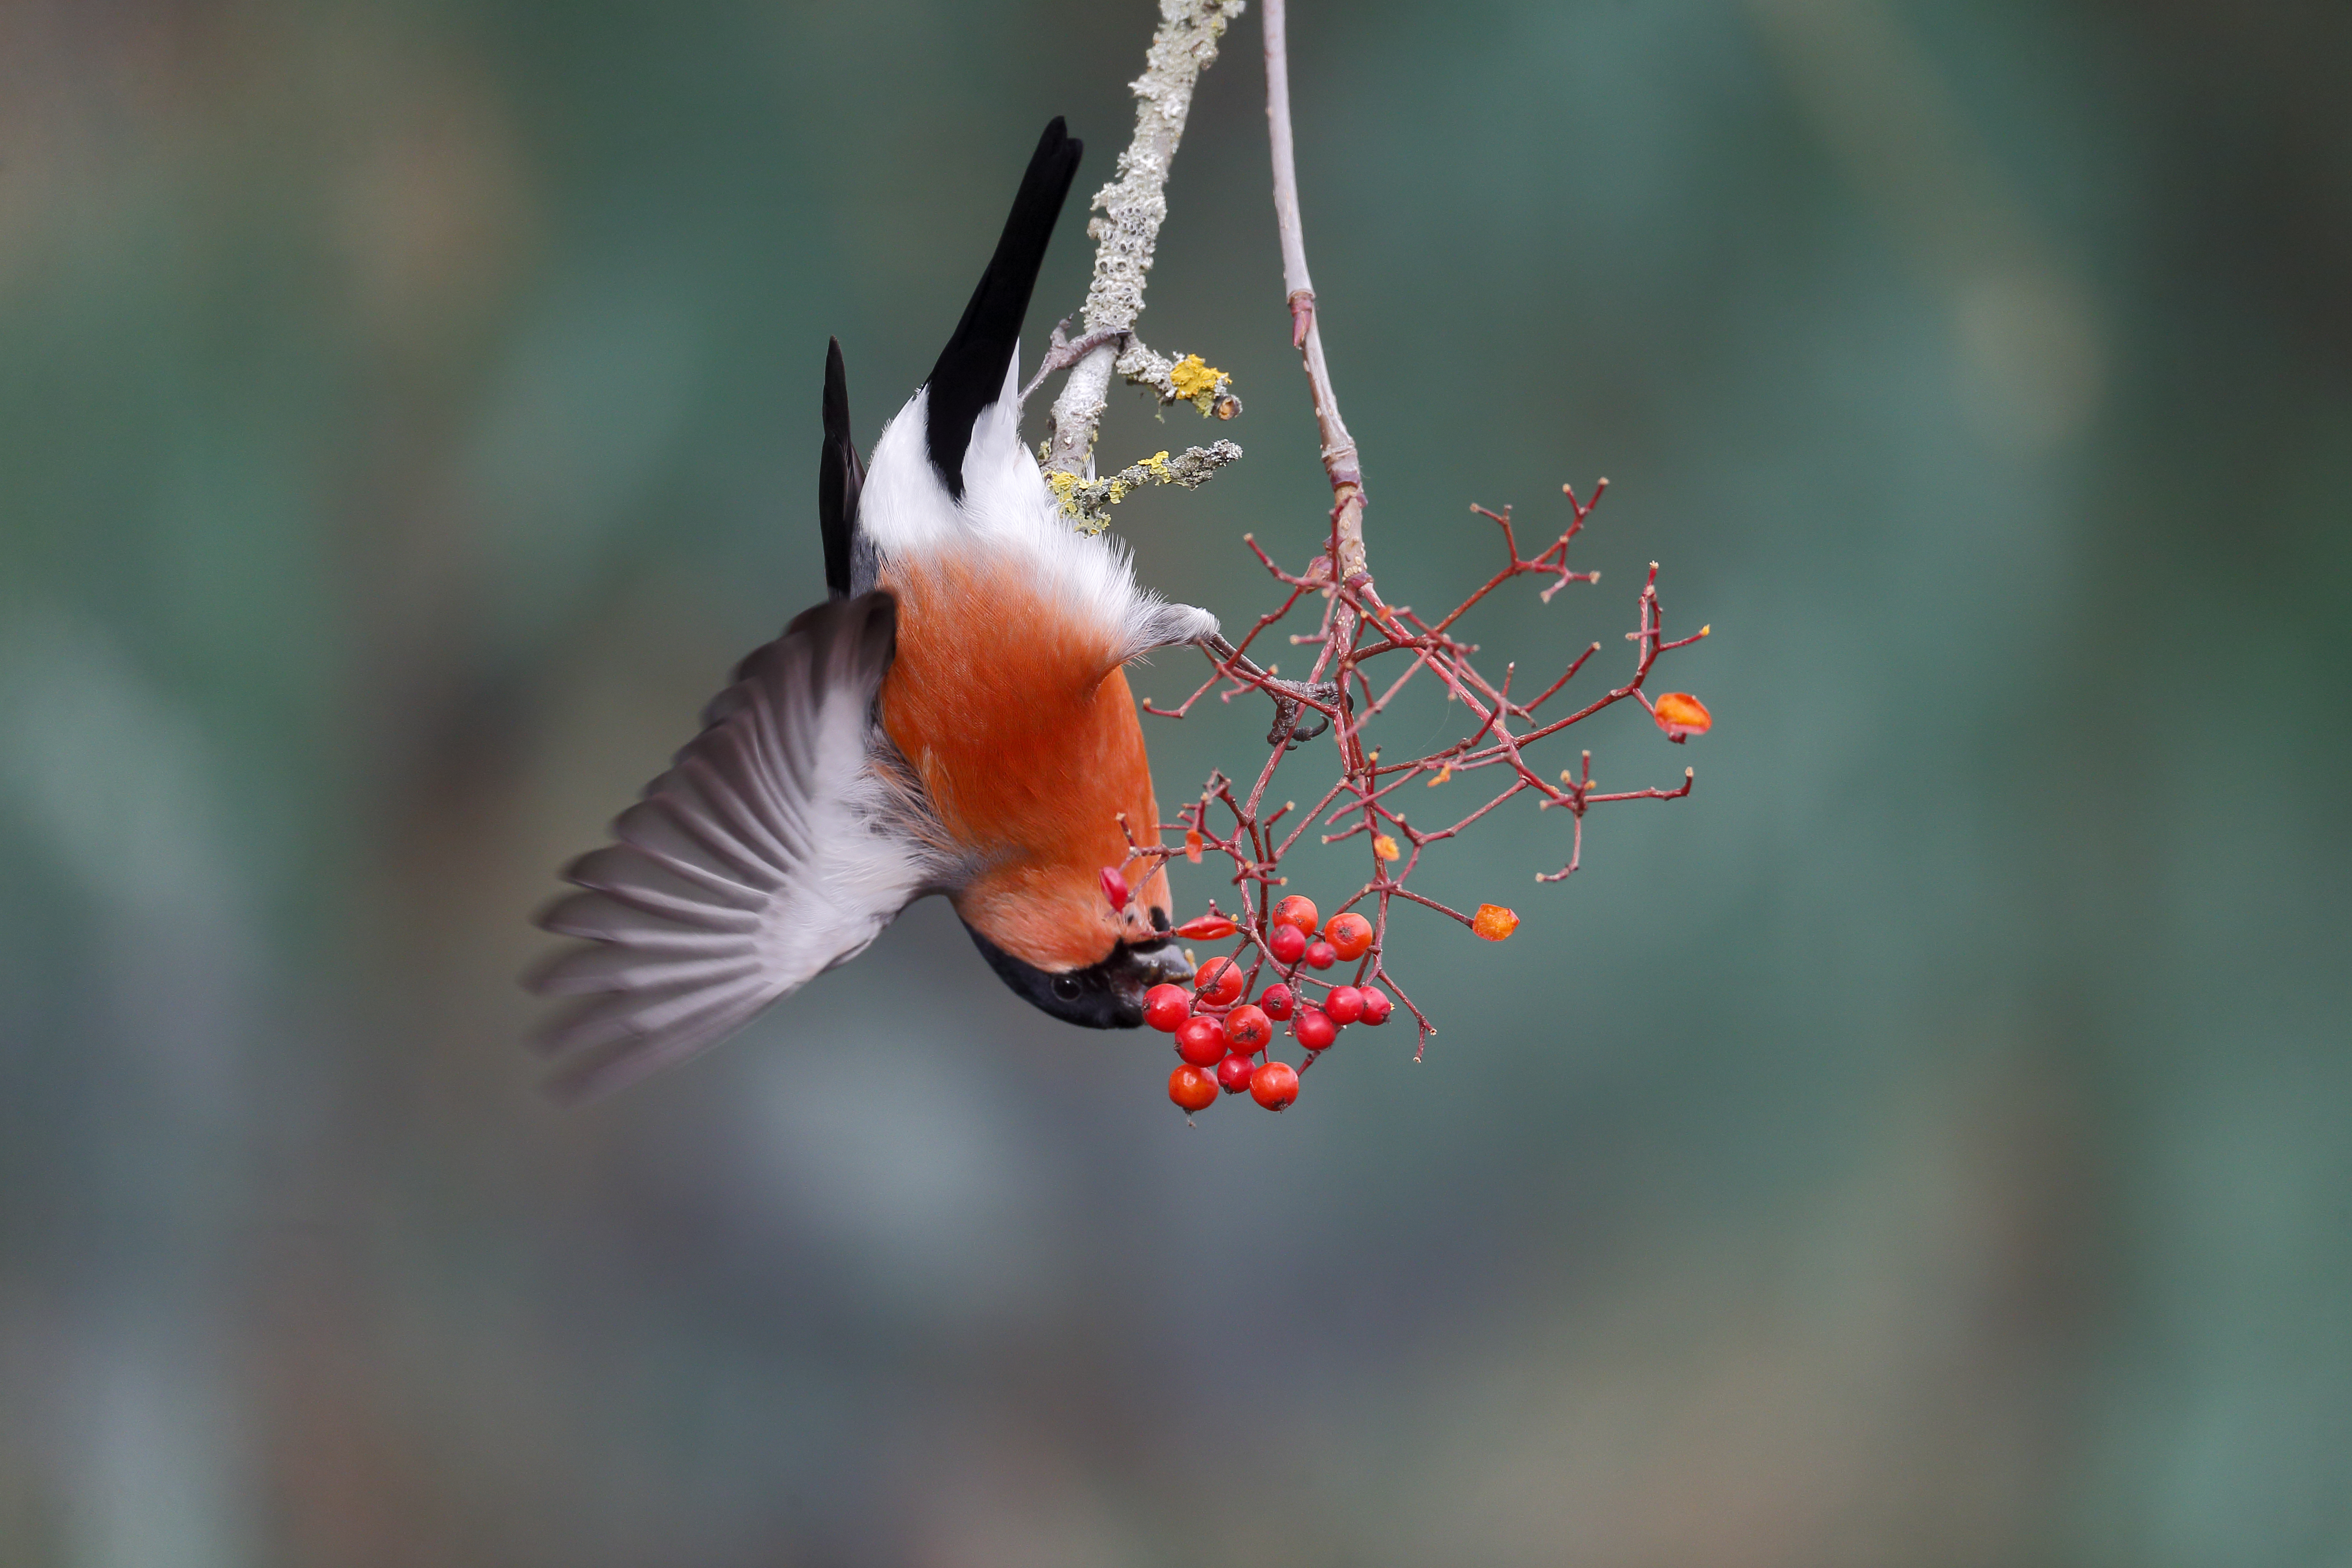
x=1132 y=208
x=1186 y=380
x=1087 y=503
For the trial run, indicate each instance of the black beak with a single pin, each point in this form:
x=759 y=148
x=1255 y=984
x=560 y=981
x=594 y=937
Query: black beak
x=1136 y=970
x=1104 y=995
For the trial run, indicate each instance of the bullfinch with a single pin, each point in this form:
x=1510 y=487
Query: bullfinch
x=953 y=719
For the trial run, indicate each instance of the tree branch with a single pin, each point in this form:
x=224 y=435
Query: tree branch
x=1339 y=459
x=1133 y=207
x=1087 y=503
x=1354 y=627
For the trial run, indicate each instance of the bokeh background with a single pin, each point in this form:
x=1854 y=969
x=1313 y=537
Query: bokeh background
x=1927 y=1144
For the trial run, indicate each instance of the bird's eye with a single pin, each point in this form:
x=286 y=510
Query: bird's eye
x=1066 y=987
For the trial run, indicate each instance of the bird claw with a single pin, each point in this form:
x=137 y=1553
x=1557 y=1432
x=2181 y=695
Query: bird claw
x=1289 y=696
x=1287 y=730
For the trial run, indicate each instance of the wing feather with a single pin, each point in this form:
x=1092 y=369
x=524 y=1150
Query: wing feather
x=658 y=887
x=771 y=851
x=601 y=917
x=616 y=964
x=683 y=824
x=739 y=792
x=677 y=1028
x=650 y=846
x=717 y=805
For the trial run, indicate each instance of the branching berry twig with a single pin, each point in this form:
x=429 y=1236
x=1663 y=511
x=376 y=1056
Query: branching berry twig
x=1355 y=630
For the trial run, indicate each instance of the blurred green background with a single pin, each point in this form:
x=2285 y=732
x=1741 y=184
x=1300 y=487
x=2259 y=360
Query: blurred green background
x=1927 y=1144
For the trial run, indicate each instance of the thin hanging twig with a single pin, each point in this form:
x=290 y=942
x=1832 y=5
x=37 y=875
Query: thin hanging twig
x=1340 y=462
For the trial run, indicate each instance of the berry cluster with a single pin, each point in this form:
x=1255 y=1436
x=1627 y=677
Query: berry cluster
x=1220 y=1037
x=1369 y=801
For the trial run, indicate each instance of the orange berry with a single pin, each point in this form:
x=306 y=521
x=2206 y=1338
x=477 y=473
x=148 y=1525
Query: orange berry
x=1273 y=1086
x=1681 y=715
x=1494 y=923
x=1248 y=1029
x=1298 y=911
x=1351 y=936
x=1192 y=1088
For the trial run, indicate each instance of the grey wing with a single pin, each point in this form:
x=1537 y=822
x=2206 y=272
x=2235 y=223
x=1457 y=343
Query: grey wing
x=766 y=855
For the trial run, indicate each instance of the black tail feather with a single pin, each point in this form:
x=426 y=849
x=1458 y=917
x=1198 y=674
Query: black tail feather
x=971 y=370
x=839 y=476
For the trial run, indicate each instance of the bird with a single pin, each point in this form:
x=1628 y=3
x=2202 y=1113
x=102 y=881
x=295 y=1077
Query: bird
x=954 y=718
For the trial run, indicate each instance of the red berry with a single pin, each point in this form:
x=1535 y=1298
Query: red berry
x=1114 y=887
x=1247 y=1030
x=1201 y=1041
x=1233 y=1073
x=1377 y=1006
x=1277 y=1002
x=1273 y=1086
x=1322 y=955
x=1286 y=942
x=1219 y=982
x=1344 y=1006
x=1207 y=928
x=1315 y=1029
x=1192 y=1089
x=1165 y=1007
x=1351 y=936
x=1298 y=911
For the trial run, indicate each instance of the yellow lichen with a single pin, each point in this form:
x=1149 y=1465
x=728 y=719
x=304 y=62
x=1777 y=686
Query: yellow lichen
x=1195 y=383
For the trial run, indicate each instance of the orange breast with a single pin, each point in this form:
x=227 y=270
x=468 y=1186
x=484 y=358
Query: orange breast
x=1015 y=713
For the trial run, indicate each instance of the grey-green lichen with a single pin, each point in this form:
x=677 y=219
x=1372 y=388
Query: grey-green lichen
x=1087 y=503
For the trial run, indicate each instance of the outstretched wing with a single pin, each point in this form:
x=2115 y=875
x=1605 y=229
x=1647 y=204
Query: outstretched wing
x=768 y=852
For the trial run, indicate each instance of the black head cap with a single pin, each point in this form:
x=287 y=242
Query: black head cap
x=1107 y=994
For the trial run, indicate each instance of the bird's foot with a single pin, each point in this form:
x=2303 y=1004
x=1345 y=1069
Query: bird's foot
x=1291 y=697
x=1290 y=702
